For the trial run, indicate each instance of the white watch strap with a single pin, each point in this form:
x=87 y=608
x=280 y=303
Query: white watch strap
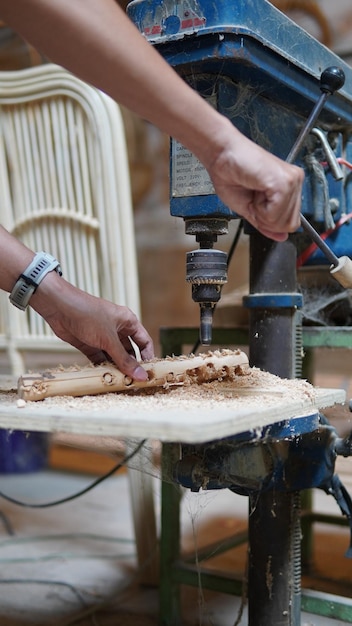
x=28 y=281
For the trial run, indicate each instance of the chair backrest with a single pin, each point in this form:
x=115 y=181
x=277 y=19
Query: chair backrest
x=64 y=188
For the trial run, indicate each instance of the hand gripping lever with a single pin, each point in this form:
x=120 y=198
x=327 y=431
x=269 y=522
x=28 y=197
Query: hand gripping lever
x=331 y=80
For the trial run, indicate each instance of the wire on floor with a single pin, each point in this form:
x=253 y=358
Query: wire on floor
x=96 y=482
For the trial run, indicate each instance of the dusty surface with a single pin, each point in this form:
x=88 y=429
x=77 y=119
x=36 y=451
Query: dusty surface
x=249 y=400
x=242 y=387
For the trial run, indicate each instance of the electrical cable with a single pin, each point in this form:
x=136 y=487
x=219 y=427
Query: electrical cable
x=15 y=541
x=121 y=593
x=98 y=606
x=36 y=581
x=68 y=556
x=229 y=258
x=308 y=252
x=79 y=493
x=341 y=161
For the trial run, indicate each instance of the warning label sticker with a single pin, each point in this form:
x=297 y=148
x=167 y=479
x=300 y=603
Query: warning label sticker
x=188 y=176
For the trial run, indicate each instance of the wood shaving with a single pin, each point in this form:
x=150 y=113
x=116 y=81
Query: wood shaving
x=189 y=413
x=249 y=387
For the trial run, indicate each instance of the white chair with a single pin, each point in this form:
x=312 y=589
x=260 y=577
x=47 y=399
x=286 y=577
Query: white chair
x=65 y=188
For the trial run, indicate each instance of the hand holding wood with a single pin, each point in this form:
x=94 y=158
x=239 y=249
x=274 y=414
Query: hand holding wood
x=93 y=380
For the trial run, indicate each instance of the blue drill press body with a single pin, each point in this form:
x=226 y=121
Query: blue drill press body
x=262 y=71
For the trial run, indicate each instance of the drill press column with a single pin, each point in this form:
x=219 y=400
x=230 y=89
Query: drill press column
x=275 y=338
x=274 y=574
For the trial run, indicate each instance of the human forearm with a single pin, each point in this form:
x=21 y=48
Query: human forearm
x=14 y=258
x=103 y=47
x=95 y=40
x=98 y=328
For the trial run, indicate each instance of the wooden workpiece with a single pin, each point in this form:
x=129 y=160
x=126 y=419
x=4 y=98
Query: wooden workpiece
x=106 y=378
x=193 y=413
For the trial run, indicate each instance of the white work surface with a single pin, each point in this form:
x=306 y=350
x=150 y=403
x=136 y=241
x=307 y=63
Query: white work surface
x=210 y=412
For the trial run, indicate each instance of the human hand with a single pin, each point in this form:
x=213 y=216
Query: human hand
x=259 y=186
x=97 y=327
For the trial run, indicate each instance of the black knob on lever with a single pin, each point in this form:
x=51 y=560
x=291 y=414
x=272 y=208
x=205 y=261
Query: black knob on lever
x=332 y=79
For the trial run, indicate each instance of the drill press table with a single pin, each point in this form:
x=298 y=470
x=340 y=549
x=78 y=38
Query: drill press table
x=173 y=415
x=173 y=418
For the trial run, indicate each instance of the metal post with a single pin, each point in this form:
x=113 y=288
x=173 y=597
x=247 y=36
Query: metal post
x=275 y=321
x=170 y=609
x=274 y=569
x=274 y=591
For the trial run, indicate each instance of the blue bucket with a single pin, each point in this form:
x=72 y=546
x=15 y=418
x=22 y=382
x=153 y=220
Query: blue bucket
x=22 y=452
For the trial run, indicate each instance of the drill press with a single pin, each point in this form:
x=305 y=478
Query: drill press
x=263 y=72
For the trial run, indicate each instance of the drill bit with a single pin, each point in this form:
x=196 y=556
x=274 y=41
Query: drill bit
x=206 y=323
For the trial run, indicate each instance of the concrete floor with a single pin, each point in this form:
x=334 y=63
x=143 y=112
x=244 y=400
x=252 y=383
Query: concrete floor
x=62 y=561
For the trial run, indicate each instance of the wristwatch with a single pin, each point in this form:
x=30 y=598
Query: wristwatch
x=28 y=281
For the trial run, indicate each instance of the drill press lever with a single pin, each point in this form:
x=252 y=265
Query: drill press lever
x=331 y=80
x=207 y=267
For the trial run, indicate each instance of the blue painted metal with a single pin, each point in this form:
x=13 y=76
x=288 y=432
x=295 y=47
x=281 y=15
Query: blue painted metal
x=262 y=71
x=280 y=430
x=257 y=19
x=292 y=455
x=273 y=300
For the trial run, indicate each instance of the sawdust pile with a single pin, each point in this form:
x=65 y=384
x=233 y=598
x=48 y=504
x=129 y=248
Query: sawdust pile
x=248 y=387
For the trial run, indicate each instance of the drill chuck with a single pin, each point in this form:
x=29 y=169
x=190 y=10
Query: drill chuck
x=206 y=266
x=207 y=272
